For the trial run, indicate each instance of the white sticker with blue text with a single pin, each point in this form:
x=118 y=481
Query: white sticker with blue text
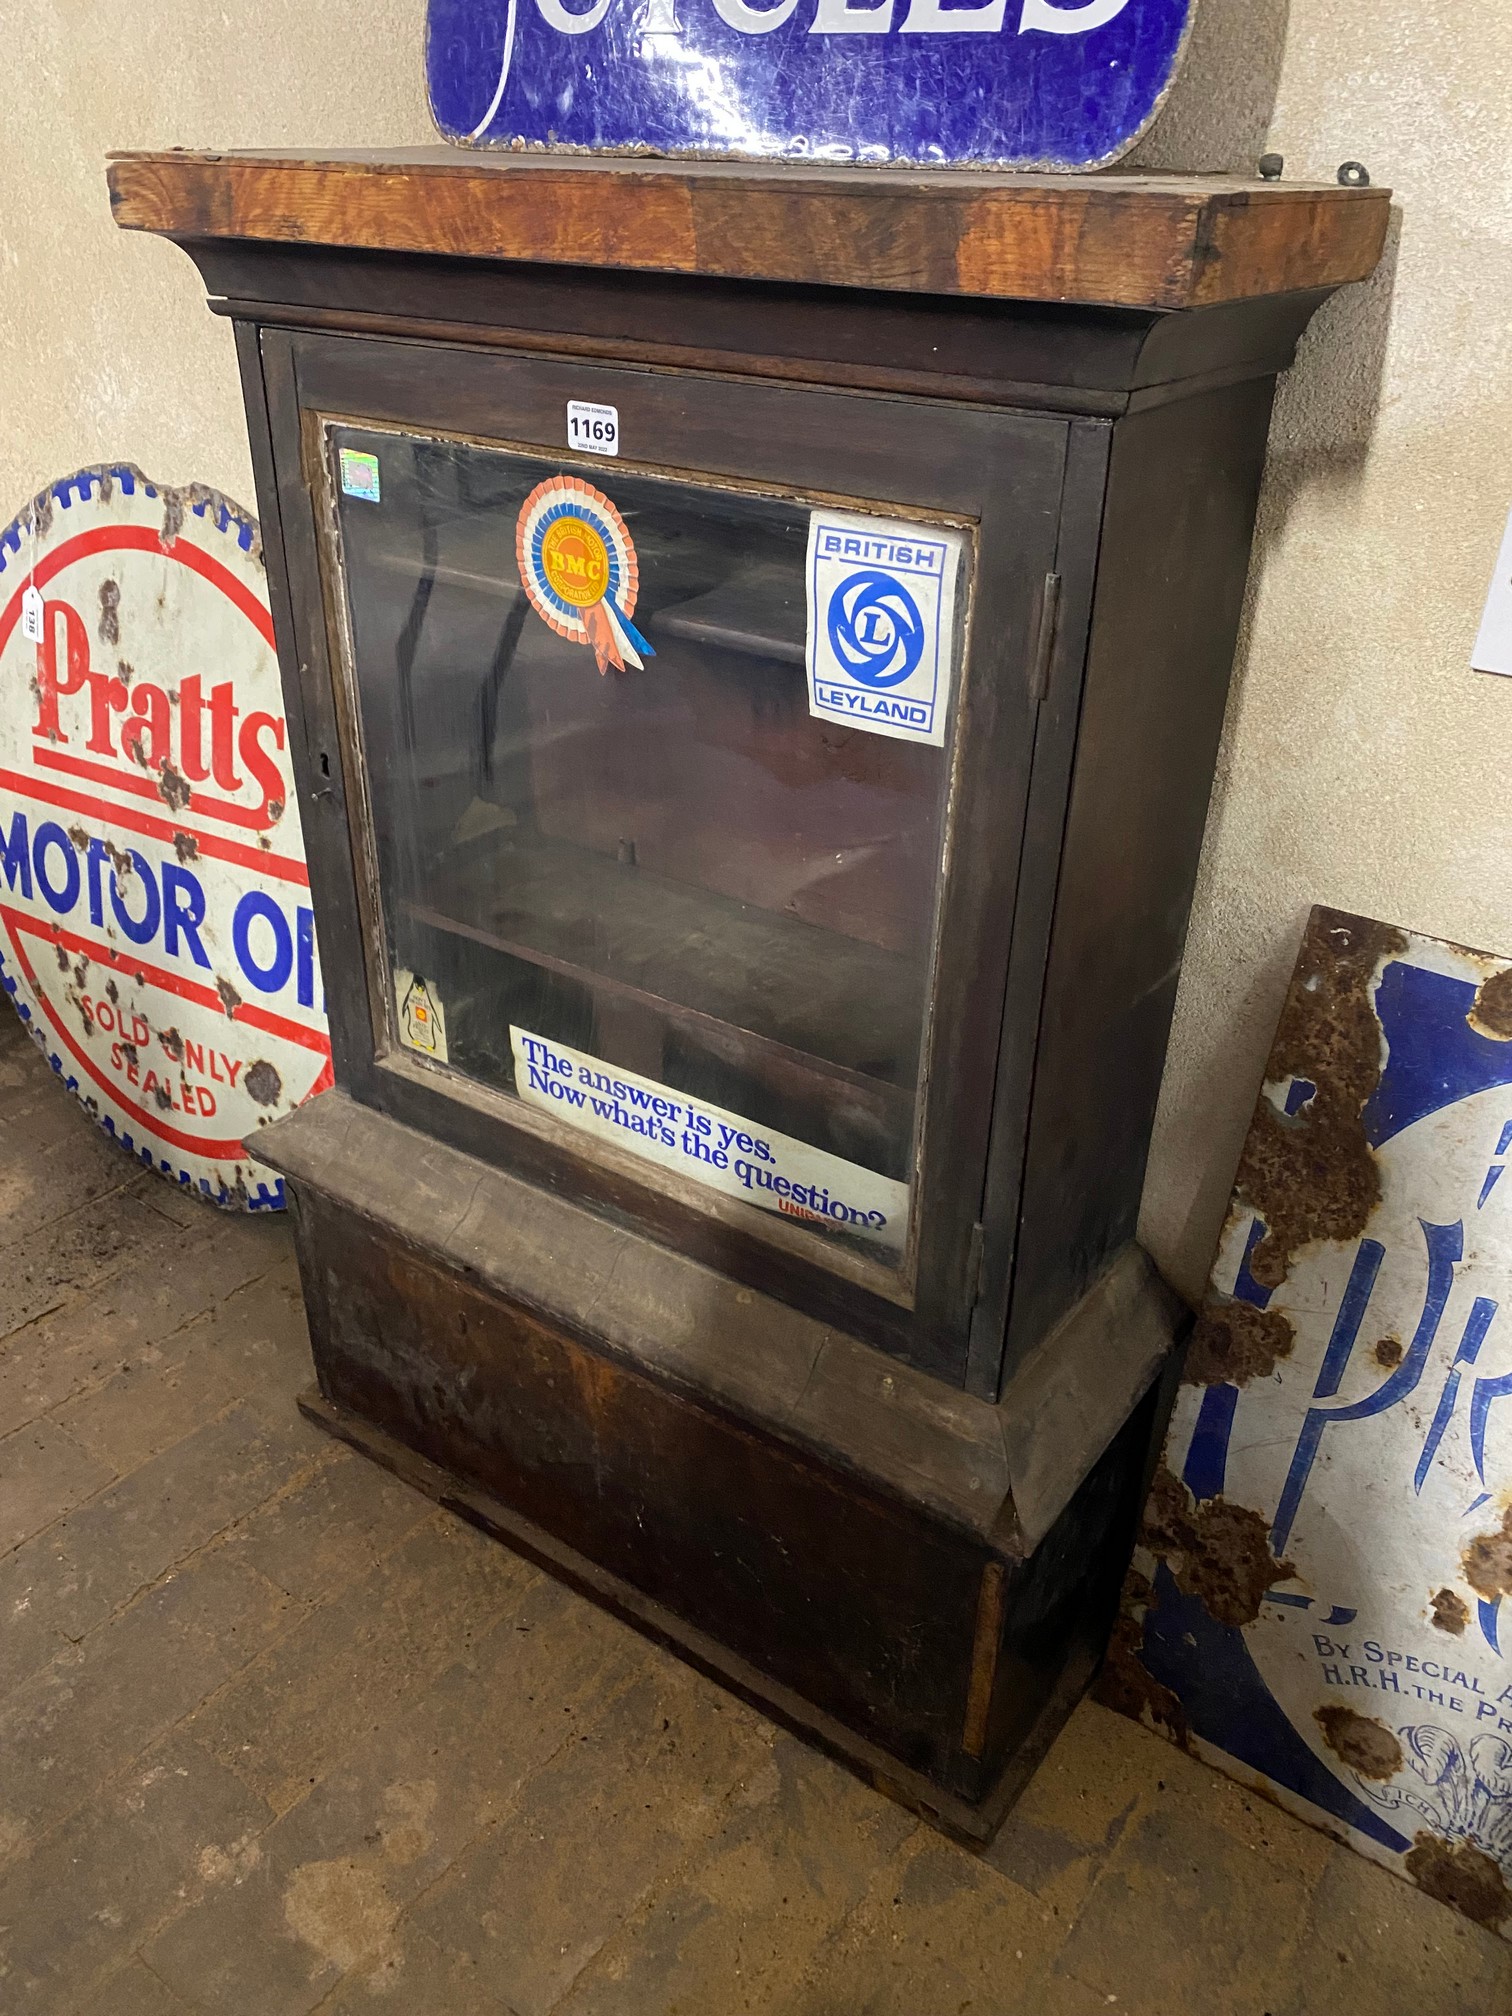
x=881 y=623
x=709 y=1145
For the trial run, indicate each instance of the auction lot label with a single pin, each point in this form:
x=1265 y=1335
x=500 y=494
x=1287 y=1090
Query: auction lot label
x=156 y=934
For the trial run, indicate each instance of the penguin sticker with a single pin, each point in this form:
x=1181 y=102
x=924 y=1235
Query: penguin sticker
x=422 y=1020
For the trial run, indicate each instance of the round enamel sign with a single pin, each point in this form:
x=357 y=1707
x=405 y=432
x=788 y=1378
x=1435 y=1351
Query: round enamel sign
x=156 y=934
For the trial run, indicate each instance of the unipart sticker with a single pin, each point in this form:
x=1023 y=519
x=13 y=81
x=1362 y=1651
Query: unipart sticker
x=156 y=934
x=709 y=1145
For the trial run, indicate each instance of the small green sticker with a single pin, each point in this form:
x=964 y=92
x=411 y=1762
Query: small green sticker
x=359 y=474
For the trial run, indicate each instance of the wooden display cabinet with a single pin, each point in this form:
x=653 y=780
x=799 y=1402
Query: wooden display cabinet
x=867 y=1439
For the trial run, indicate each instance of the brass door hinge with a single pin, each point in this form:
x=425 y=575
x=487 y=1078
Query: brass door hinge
x=976 y=1256
x=1044 y=638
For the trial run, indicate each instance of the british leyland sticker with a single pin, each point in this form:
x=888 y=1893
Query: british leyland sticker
x=881 y=623
x=156 y=935
x=577 y=563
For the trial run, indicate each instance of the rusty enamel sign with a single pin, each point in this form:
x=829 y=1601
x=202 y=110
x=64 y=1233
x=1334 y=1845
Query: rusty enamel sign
x=1319 y=1606
x=156 y=934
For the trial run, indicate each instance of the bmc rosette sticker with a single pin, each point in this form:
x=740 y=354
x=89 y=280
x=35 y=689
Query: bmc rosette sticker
x=156 y=933
x=578 y=566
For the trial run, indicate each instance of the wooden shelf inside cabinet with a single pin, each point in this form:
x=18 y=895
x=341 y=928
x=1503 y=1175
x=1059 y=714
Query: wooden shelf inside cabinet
x=728 y=972
x=737 y=616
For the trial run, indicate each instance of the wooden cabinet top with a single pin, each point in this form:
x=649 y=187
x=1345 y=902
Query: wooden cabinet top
x=1153 y=242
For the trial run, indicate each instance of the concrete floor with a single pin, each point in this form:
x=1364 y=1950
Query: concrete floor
x=277 y=1736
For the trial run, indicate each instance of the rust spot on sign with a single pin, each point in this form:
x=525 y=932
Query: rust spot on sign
x=1365 y=1745
x=1129 y=1689
x=185 y=846
x=173 y=787
x=177 y=504
x=110 y=612
x=1388 y=1352
x=230 y=999
x=1218 y=1552
x=173 y=1043
x=60 y=952
x=1463 y=1876
x=1488 y=1561
x=1235 y=1342
x=263 y=1082
x=1311 y=1175
x=1491 y=1011
x=1451 y=1612
x=79 y=838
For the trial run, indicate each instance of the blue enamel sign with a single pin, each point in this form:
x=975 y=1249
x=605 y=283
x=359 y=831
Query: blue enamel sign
x=1321 y=1602
x=1013 y=83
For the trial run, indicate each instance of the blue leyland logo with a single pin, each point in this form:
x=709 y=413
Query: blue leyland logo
x=1051 y=83
x=875 y=629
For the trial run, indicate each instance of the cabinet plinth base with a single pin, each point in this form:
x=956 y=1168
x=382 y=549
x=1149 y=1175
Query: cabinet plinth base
x=911 y=1578
x=972 y=1825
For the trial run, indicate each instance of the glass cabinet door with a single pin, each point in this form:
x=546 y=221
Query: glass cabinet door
x=638 y=865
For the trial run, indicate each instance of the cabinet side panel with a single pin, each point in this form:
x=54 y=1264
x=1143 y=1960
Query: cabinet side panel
x=1183 y=487
x=1055 y=736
